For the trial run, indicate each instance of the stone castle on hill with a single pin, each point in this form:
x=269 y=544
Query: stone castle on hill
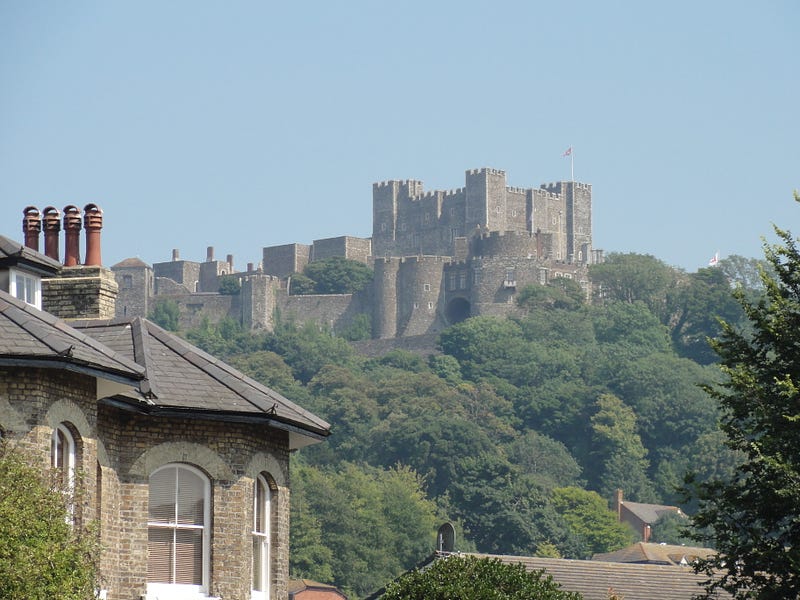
x=439 y=257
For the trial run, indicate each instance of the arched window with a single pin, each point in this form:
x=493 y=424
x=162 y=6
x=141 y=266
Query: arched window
x=262 y=530
x=62 y=457
x=62 y=453
x=178 y=531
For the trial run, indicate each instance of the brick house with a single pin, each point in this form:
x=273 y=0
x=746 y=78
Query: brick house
x=641 y=516
x=181 y=460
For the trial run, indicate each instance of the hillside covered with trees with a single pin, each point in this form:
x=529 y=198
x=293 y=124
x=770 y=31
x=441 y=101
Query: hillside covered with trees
x=518 y=431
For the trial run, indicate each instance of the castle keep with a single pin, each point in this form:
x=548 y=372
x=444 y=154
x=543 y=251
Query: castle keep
x=439 y=257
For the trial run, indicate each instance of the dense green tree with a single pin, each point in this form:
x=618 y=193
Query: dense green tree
x=696 y=308
x=308 y=347
x=672 y=528
x=588 y=516
x=359 y=329
x=42 y=555
x=472 y=578
x=376 y=523
x=166 y=314
x=544 y=458
x=619 y=456
x=230 y=286
x=752 y=519
x=338 y=275
x=301 y=285
x=560 y=293
x=745 y=272
x=634 y=278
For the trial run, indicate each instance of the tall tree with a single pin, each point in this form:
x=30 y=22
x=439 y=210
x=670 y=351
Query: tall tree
x=753 y=519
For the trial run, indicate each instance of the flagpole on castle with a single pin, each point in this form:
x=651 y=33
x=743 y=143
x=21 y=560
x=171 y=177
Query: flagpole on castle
x=571 y=155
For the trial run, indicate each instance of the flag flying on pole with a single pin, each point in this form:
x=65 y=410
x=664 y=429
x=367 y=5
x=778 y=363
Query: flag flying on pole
x=568 y=152
x=714 y=260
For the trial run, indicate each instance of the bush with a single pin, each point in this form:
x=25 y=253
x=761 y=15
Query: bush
x=472 y=578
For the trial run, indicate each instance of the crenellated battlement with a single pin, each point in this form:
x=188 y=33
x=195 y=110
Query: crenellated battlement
x=488 y=170
x=401 y=183
x=555 y=187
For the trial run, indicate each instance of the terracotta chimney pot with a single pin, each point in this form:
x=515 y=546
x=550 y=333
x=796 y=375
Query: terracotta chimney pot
x=31 y=227
x=72 y=229
x=93 y=223
x=52 y=231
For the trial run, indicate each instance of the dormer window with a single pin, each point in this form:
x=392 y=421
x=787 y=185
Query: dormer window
x=26 y=287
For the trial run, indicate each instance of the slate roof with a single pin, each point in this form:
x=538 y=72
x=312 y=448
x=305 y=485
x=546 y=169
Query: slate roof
x=648 y=513
x=13 y=253
x=665 y=554
x=182 y=379
x=33 y=338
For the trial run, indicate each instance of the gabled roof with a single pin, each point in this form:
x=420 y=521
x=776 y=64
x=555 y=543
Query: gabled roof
x=32 y=338
x=183 y=380
x=664 y=554
x=649 y=513
x=14 y=254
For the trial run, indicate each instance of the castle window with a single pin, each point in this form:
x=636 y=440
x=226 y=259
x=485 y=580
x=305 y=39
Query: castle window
x=127 y=282
x=476 y=276
x=178 y=535
x=426 y=218
x=426 y=287
x=416 y=305
x=262 y=530
x=462 y=281
x=430 y=305
x=383 y=227
x=452 y=281
x=513 y=212
x=26 y=287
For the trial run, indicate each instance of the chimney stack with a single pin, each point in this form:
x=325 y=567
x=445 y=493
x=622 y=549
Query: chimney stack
x=230 y=263
x=249 y=267
x=210 y=254
x=52 y=231
x=176 y=256
x=92 y=223
x=31 y=227
x=72 y=230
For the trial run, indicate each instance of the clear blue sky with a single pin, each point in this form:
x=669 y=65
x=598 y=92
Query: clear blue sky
x=241 y=125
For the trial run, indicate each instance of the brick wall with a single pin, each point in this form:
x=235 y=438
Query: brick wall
x=117 y=451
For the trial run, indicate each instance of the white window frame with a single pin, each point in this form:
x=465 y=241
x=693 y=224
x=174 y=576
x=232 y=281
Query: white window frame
x=185 y=591
x=263 y=537
x=27 y=278
x=62 y=456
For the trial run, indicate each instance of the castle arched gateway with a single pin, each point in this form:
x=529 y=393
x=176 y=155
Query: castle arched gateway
x=457 y=310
